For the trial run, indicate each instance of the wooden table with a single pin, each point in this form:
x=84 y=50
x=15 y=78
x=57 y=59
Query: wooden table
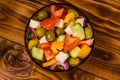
x=104 y=63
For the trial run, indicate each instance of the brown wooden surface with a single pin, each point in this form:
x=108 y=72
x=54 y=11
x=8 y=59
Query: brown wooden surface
x=104 y=63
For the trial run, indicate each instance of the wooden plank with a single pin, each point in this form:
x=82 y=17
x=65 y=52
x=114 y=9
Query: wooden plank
x=16 y=64
x=12 y=34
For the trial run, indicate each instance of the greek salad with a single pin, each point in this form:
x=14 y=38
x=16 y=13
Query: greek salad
x=59 y=38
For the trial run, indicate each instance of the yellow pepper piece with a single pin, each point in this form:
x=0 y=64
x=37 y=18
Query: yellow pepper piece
x=57 y=45
x=32 y=43
x=70 y=16
x=49 y=63
x=72 y=22
x=85 y=50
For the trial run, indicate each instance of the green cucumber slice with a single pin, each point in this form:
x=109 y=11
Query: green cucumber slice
x=61 y=38
x=74 y=52
x=78 y=31
x=37 y=53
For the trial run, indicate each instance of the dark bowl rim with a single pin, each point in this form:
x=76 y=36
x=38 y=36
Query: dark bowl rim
x=83 y=14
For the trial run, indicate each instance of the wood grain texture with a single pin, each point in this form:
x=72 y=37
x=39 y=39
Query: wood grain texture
x=105 y=17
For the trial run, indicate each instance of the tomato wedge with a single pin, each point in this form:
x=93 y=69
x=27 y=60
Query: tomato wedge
x=45 y=45
x=56 y=12
x=49 y=23
x=70 y=43
x=53 y=8
x=64 y=13
x=49 y=54
x=89 y=42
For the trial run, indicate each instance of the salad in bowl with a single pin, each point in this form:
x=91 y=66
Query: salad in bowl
x=59 y=37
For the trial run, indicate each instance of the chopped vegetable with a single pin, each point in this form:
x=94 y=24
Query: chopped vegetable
x=57 y=45
x=42 y=15
x=50 y=36
x=61 y=56
x=73 y=22
x=69 y=17
x=64 y=65
x=74 y=11
x=49 y=54
x=64 y=13
x=32 y=43
x=49 y=63
x=45 y=45
x=34 y=23
x=56 y=12
x=49 y=23
x=74 y=52
x=53 y=9
x=78 y=31
x=30 y=36
x=61 y=38
x=85 y=50
x=70 y=43
x=88 y=32
x=89 y=42
x=74 y=61
x=37 y=53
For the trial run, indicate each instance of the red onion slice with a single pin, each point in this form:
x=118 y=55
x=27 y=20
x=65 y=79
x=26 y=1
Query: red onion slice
x=65 y=65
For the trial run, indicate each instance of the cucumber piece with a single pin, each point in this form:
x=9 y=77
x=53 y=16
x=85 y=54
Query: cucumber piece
x=78 y=31
x=74 y=52
x=61 y=38
x=37 y=53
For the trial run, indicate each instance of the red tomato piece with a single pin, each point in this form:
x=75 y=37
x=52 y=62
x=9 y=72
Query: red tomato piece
x=49 y=23
x=49 y=54
x=70 y=43
x=56 y=12
x=89 y=42
x=45 y=45
x=64 y=13
x=53 y=8
x=81 y=45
